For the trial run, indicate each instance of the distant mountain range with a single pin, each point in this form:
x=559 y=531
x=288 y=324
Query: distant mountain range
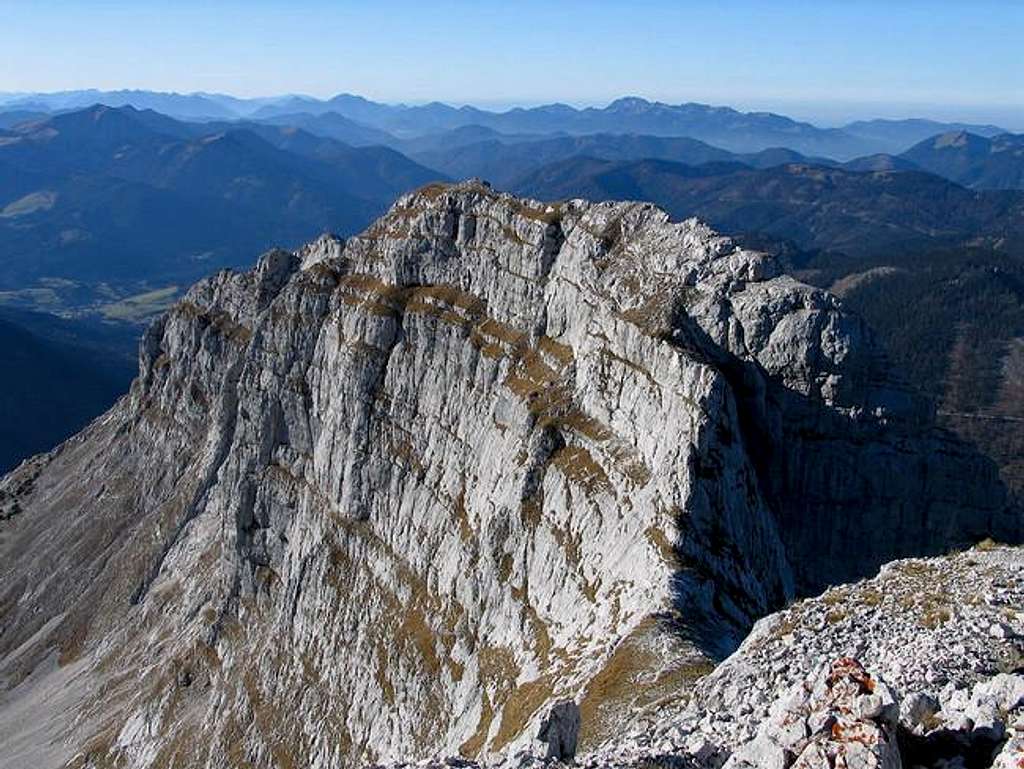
x=904 y=133
x=115 y=195
x=811 y=206
x=135 y=200
x=503 y=163
x=467 y=141
x=981 y=162
x=723 y=127
x=971 y=160
x=334 y=126
x=185 y=106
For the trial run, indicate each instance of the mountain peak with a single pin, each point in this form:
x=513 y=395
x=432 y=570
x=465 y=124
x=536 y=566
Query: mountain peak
x=950 y=139
x=489 y=452
x=632 y=105
x=94 y=121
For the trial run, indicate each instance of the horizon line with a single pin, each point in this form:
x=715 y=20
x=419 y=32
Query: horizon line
x=498 y=106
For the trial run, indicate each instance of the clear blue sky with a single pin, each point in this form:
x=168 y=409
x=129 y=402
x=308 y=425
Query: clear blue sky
x=828 y=58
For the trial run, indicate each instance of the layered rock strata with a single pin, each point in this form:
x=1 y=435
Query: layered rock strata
x=397 y=496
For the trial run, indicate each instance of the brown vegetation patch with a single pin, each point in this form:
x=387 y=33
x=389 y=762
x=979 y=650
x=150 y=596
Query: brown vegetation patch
x=273 y=725
x=446 y=303
x=471 y=747
x=432 y=191
x=562 y=353
x=370 y=294
x=634 y=677
x=543 y=215
x=98 y=752
x=531 y=510
x=570 y=545
x=579 y=467
x=403 y=451
x=661 y=543
x=531 y=376
x=520 y=706
x=462 y=516
x=415 y=631
x=220 y=321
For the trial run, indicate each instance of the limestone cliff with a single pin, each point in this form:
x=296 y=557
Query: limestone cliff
x=394 y=497
x=920 y=666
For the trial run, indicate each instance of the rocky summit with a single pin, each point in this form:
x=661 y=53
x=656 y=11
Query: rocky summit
x=491 y=470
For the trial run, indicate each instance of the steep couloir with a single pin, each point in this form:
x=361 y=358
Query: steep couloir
x=393 y=497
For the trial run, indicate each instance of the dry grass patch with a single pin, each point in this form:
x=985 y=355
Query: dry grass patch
x=870 y=597
x=471 y=747
x=635 y=676
x=579 y=467
x=520 y=706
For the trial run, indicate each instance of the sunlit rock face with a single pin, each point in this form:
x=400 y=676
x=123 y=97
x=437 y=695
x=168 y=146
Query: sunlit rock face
x=397 y=496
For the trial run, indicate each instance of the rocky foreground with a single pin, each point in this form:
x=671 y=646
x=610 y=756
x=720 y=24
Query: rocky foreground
x=921 y=666
x=405 y=495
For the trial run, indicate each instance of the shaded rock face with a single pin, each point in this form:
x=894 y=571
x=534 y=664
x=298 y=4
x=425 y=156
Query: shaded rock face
x=397 y=496
x=559 y=730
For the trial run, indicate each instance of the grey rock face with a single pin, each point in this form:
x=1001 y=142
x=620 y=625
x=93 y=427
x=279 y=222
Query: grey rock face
x=1011 y=754
x=918 y=712
x=395 y=497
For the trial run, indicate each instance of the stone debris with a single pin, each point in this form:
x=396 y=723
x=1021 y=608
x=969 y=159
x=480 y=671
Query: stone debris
x=840 y=716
